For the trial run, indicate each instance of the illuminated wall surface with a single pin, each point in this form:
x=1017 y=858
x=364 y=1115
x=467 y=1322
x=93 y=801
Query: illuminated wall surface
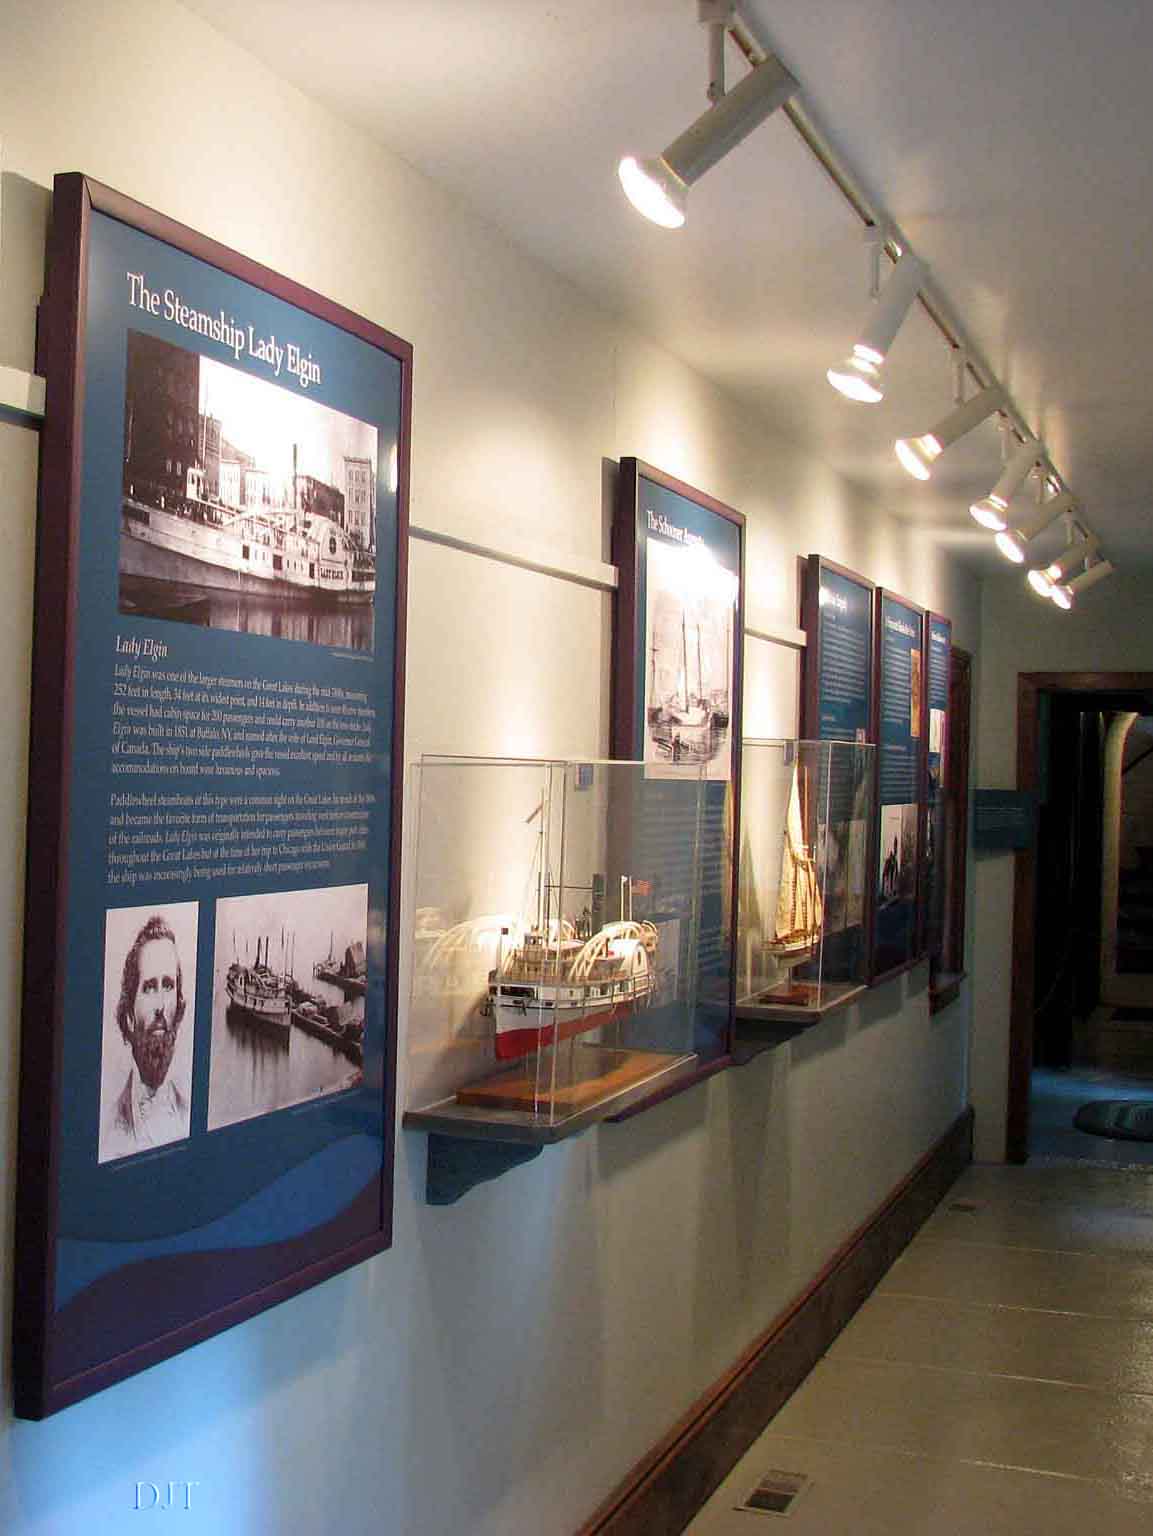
x=511 y=1357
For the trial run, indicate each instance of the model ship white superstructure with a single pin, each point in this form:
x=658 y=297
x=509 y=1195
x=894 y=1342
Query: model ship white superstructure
x=558 y=981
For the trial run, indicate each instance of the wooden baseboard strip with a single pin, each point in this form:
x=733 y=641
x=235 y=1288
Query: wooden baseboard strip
x=667 y=1487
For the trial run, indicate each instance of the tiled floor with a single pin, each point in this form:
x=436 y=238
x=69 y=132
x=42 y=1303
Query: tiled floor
x=1000 y=1379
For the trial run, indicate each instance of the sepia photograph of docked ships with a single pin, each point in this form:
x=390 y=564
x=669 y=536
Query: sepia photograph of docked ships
x=246 y=506
x=290 y=980
x=690 y=614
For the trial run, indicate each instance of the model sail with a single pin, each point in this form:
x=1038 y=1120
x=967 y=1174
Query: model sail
x=800 y=912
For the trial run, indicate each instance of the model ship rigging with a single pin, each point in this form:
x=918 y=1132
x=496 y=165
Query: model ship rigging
x=559 y=977
x=800 y=910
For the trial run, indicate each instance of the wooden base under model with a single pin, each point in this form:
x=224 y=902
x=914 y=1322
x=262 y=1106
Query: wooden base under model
x=583 y=1077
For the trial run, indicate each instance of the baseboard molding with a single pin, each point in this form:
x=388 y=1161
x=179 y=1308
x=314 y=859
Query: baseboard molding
x=667 y=1488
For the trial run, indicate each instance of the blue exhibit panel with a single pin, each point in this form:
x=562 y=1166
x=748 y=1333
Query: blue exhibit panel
x=900 y=747
x=845 y=640
x=230 y=782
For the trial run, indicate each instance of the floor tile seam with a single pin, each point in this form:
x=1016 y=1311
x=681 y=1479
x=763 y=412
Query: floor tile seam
x=1145 y=1321
x=1141 y=1258
x=1087 y=1201
x=841 y=1442
x=959 y=1370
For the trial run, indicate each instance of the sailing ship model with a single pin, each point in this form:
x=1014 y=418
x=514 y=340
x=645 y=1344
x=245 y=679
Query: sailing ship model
x=800 y=910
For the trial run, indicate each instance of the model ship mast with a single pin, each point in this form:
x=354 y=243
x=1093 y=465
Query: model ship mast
x=800 y=911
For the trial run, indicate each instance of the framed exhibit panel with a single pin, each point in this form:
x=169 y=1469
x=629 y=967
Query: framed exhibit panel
x=207 y=1070
x=900 y=734
x=806 y=816
x=677 y=674
x=938 y=645
x=556 y=943
x=837 y=687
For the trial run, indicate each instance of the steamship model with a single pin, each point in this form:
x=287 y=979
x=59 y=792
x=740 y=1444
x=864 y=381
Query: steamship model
x=560 y=978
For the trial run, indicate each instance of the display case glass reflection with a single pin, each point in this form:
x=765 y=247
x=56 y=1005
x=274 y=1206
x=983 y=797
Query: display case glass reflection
x=556 y=942
x=806 y=812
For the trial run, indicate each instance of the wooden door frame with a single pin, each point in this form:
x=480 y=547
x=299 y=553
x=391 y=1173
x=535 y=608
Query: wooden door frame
x=1030 y=685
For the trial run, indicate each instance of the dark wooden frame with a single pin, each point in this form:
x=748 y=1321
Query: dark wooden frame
x=811 y=569
x=876 y=976
x=60 y=358
x=945 y=983
x=1029 y=686
x=922 y=873
x=627 y=737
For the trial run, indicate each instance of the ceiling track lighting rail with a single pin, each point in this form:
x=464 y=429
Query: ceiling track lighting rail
x=658 y=188
x=894 y=244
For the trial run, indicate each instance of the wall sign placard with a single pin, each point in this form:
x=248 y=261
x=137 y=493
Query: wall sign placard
x=836 y=705
x=900 y=733
x=938 y=649
x=678 y=636
x=213 y=830
x=837 y=615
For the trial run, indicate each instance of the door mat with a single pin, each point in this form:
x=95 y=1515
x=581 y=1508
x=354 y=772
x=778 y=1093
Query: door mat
x=1131 y=1016
x=1121 y=1119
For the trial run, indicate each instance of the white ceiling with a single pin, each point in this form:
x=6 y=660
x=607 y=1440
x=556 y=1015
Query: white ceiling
x=1010 y=140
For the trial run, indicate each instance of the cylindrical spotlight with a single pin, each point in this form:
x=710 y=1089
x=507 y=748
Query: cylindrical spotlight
x=1012 y=541
x=990 y=510
x=1064 y=593
x=858 y=376
x=659 y=186
x=919 y=454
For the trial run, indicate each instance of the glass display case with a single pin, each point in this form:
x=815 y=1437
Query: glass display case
x=806 y=811
x=557 y=943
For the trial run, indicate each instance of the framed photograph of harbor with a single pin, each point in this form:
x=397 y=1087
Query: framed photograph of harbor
x=678 y=631
x=288 y=996
x=210 y=973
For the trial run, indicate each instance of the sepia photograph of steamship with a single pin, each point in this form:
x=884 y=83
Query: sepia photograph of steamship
x=246 y=506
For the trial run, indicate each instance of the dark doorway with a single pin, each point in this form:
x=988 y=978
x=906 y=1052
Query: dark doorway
x=1066 y=1034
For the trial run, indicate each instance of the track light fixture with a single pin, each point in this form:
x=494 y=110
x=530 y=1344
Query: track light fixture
x=1064 y=593
x=1045 y=578
x=1012 y=541
x=990 y=510
x=859 y=376
x=919 y=454
x=659 y=186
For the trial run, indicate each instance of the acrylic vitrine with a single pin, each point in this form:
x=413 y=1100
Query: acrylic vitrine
x=556 y=942
x=806 y=810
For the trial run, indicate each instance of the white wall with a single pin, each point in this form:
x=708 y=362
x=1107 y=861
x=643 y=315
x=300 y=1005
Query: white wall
x=1108 y=631
x=511 y=1357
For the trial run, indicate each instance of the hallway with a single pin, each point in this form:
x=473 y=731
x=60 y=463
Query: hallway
x=1000 y=1378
